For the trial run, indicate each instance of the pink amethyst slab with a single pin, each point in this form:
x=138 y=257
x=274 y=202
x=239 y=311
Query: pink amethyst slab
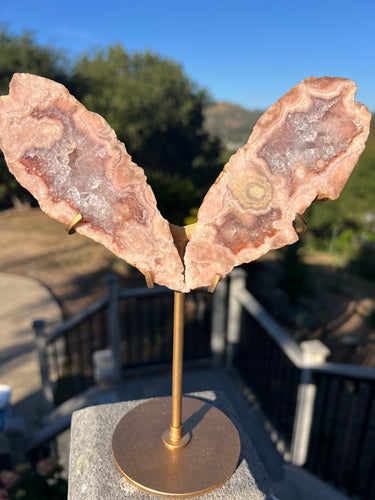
x=301 y=150
x=71 y=161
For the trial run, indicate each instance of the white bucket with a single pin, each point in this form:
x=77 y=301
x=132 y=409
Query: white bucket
x=5 y=395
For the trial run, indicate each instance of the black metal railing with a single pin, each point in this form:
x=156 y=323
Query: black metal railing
x=146 y=328
x=342 y=442
x=69 y=350
x=294 y=391
x=337 y=399
x=145 y=319
x=146 y=325
x=198 y=317
x=270 y=374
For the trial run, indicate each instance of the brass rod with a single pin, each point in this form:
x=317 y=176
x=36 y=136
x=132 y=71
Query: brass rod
x=178 y=354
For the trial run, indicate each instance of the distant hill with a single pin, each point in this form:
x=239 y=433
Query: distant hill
x=231 y=123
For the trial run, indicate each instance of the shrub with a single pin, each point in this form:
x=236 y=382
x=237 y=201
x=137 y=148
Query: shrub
x=44 y=482
x=364 y=261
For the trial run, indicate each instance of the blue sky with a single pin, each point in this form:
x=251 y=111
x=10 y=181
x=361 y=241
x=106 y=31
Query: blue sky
x=246 y=52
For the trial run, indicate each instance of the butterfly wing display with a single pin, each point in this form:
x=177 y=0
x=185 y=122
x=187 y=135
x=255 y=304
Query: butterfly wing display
x=71 y=161
x=302 y=149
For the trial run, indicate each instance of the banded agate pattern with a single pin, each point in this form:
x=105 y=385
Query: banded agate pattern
x=302 y=149
x=72 y=162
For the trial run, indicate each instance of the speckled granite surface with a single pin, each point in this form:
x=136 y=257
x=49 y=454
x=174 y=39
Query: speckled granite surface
x=93 y=474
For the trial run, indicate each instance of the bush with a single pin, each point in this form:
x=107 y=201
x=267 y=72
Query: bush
x=364 y=261
x=44 y=482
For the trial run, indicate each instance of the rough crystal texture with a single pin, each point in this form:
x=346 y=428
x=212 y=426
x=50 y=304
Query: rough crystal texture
x=72 y=162
x=302 y=149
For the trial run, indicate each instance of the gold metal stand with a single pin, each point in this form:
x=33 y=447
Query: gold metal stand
x=70 y=227
x=174 y=438
x=176 y=447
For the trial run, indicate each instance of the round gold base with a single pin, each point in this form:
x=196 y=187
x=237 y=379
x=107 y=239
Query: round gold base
x=207 y=461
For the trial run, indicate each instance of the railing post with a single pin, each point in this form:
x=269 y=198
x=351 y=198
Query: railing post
x=114 y=323
x=39 y=327
x=237 y=283
x=314 y=353
x=218 y=324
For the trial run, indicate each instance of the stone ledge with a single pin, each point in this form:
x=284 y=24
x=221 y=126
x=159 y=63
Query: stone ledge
x=93 y=474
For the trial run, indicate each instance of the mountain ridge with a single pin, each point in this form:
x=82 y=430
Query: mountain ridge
x=232 y=123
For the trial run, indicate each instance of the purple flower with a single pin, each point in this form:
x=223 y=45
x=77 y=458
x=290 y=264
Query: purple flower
x=8 y=478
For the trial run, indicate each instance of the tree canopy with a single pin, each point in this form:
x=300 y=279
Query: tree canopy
x=23 y=55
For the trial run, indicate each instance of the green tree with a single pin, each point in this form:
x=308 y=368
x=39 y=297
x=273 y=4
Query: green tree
x=21 y=54
x=158 y=113
x=353 y=212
